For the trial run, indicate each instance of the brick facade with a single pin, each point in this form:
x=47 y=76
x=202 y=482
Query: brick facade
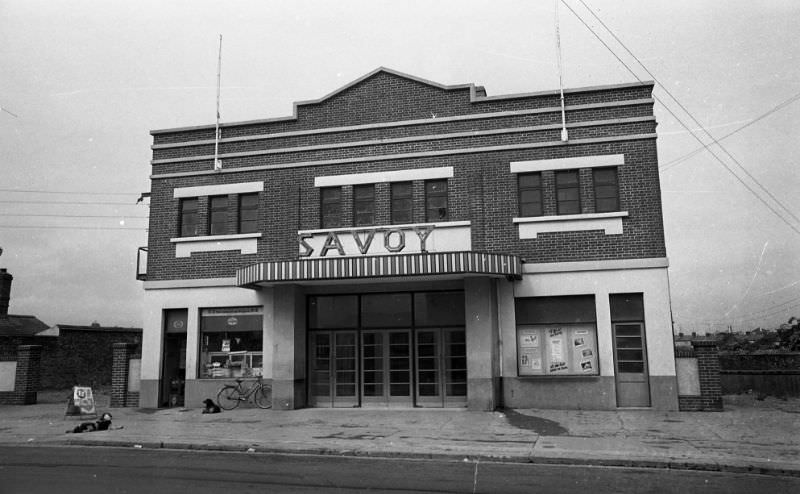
x=387 y=122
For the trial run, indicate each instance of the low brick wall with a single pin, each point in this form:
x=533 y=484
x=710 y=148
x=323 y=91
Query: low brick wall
x=705 y=383
x=122 y=394
x=27 y=378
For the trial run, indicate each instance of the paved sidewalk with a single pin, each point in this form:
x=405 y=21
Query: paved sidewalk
x=749 y=436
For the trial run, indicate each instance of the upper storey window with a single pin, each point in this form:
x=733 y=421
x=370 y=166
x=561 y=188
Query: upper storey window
x=568 y=196
x=190 y=219
x=530 y=194
x=331 y=207
x=218 y=215
x=364 y=205
x=606 y=190
x=248 y=213
x=436 y=200
x=402 y=202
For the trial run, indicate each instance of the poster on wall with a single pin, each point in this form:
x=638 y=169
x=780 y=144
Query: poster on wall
x=557 y=350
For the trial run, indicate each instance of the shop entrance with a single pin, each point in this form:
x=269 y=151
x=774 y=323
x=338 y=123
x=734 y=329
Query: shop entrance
x=387 y=367
x=173 y=371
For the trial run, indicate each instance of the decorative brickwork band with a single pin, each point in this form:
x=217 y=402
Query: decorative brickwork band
x=119 y=374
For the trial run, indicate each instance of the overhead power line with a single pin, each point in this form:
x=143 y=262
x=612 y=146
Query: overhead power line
x=774 y=109
x=681 y=122
x=118 y=216
x=75 y=192
x=32 y=227
x=76 y=202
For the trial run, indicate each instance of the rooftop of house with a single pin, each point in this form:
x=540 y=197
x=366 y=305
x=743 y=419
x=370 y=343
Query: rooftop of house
x=57 y=329
x=16 y=325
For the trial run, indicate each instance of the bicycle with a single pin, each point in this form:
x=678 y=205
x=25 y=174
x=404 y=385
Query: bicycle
x=231 y=395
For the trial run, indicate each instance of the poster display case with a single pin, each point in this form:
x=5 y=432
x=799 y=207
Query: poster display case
x=557 y=350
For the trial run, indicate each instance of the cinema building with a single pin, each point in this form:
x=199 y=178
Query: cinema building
x=402 y=243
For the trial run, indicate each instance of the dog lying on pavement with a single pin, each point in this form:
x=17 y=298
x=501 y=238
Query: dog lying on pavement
x=210 y=406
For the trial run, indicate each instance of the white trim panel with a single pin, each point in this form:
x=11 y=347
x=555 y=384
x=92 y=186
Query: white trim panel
x=567 y=163
x=198 y=283
x=531 y=227
x=246 y=243
x=615 y=265
x=218 y=190
x=380 y=177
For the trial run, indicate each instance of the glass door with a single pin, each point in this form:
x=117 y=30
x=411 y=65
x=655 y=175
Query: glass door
x=386 y=367
x=344 y=369
x=441 y=370
x=630 y=356
x=319 y=345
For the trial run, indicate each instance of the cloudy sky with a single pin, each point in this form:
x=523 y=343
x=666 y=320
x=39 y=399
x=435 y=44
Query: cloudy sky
x=83 y=82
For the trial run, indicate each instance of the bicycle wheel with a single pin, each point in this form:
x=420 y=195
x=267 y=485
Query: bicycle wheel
x=228 y=397
x=263 y=396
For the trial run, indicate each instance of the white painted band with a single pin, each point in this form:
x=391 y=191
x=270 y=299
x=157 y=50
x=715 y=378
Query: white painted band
x=378 y=177
x=218 y=190
x=567 y=163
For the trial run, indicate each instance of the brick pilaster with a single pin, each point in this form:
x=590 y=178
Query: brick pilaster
x=119 y=374
x=710 y=397
x=28 y=379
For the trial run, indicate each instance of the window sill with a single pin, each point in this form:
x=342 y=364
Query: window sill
x=592 y=377
x=532 y=226
x=245 y=243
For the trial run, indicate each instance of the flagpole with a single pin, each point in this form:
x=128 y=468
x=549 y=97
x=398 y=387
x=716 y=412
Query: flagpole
x=217 y=161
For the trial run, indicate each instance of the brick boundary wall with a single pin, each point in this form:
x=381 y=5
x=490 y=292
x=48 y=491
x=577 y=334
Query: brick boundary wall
x=28 y=377
x=120 y=396
x=710 y=398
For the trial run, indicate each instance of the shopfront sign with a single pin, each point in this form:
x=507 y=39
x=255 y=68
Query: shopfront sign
x=383 y=241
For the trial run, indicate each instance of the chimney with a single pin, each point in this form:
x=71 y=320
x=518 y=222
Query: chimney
x=5 y=291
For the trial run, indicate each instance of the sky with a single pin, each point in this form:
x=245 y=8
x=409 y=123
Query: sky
x=82 y=83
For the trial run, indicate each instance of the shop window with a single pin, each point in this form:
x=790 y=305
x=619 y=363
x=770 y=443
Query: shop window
x=218 y=215
x=568 y=197
x=190 y=218
x=402 y=203
x=231 y=342
x=248 y=213
x=364 y=205
x=530 y=194
x=556 y=336
x=436 y=200
x=606 y=190
x=331 y=207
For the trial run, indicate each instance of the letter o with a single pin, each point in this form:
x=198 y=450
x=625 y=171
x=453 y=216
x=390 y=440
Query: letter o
x=401 y=240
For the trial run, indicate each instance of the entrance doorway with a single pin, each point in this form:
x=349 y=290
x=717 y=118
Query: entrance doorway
x=372 y=366
x=173 y=371
x=633 y=380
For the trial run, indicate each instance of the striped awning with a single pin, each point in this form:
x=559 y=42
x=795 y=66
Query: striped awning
x=442 y=263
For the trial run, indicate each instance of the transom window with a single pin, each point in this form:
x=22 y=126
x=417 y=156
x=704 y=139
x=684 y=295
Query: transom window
x=568 y=196
x=190 y=221
x=331 y=207
x=606 y=190
x=530 y=194
x=402 y=202
x=218 y=215
x=248 y=213
x=364 y=205
x=436 y=200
